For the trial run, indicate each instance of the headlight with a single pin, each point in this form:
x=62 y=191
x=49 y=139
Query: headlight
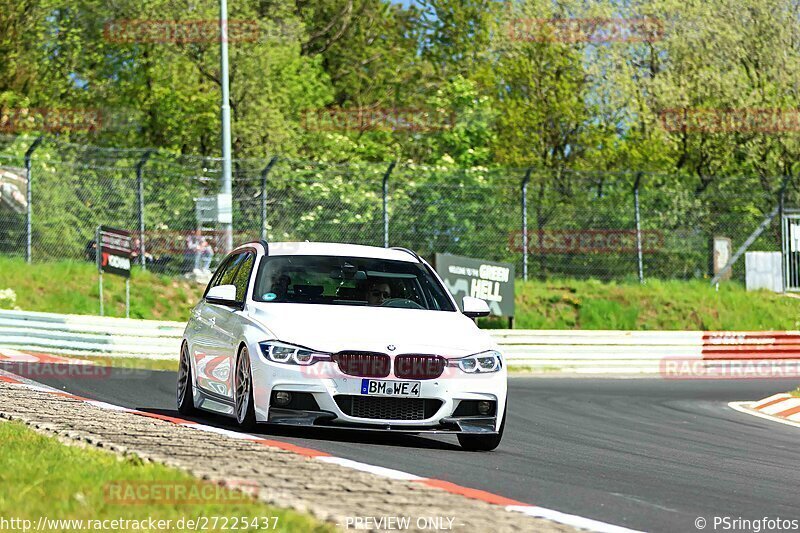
x=483 y=362
x=279 y=352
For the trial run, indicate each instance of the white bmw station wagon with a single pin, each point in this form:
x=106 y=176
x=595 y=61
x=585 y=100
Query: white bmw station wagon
x=345 y=336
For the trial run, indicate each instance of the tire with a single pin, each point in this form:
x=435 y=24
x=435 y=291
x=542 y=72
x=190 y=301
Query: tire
x=243 y=392
x=483 y=443
x=185 y=386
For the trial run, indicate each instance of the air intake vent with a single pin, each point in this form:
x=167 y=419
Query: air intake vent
x=379 y=408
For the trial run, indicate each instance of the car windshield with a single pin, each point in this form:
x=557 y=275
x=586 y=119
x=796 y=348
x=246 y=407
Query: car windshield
x=349 y=281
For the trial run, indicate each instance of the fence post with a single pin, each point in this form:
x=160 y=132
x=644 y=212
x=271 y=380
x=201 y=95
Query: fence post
x=638 y=226
x=140 y=199
x=525 y=181
x=29 y=197
x=264 y=174
x=783 y=229
x=386 y=203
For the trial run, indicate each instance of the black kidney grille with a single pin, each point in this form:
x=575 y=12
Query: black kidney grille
x=419 y=366
x=364 y=364
x=379 y=408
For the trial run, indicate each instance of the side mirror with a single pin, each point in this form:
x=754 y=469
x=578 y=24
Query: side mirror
x=223 y=295
x=474 y=307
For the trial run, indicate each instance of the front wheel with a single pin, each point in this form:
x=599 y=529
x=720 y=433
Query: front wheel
x=483 y=443
x=243 y=386
x=185 y=384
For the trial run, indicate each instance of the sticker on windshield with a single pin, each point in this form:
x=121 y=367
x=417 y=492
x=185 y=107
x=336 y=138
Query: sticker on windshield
x=268 y=297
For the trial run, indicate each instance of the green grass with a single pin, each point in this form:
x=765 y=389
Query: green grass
x=131 y=362
x=795 y=393
x=670 y=305
x=71 y=287
x=40 y=476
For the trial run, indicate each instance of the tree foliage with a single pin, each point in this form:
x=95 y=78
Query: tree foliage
x=517 y=97
x=509 y=89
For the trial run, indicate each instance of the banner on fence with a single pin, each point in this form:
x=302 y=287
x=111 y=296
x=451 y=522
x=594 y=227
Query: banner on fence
x=114 y=251
x=487 y=280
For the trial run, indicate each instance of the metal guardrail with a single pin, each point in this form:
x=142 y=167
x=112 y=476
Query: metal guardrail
x=579 y=351
x=90 y=335
x=597 y=351
x=119 y=337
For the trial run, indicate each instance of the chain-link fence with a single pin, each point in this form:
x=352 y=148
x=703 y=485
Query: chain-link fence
x=605 y=225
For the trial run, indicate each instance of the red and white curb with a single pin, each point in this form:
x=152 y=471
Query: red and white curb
x=9 y=355
x=476 y=494
x=783 y=408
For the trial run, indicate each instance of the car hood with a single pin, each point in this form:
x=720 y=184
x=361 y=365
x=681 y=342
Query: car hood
x=334 y=328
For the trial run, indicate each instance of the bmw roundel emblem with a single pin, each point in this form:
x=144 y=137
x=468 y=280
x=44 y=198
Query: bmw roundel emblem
x=392 y=347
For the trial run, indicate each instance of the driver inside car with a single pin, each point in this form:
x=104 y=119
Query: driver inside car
x=280 y=287
x=378 y=292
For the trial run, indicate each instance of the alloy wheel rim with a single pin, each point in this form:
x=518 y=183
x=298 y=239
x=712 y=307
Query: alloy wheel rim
x=242 y=385
x=183 y=375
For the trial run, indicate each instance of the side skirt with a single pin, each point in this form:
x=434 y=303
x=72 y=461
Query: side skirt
x=209 y=401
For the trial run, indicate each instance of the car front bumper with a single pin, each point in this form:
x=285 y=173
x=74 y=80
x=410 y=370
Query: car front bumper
x=324 y=382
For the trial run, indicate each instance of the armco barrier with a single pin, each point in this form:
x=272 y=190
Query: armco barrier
x=597 y=351
x=90 y=335
x=580 y=351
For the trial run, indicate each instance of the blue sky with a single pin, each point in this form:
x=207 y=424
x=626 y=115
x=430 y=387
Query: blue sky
x=404 y=3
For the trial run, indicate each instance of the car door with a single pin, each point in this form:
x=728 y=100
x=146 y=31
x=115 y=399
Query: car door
x=215 y=340
x=199 y=336
x=231 y=320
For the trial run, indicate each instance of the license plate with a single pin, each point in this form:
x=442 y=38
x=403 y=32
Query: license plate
x=381 y=387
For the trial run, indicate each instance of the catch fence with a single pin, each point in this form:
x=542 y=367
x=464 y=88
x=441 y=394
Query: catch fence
x=565 y=224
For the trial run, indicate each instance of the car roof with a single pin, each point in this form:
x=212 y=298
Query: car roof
x=339 y=249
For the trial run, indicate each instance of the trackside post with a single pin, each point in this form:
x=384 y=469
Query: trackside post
x=99 y=269
x=638 y=226
x=113 y=254
x=140 y=198
x=524 y=187
x=264 y=174
x=29 y=195
x=386 y=203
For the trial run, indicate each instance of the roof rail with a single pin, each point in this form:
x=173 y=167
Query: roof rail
x=262 y=242
x=412 y=252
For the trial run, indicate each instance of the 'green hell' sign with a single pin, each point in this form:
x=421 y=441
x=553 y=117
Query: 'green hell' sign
x=487 y=280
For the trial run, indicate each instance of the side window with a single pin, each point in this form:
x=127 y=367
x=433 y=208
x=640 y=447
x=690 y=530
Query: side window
x=221 y=270
x=243 y=276
x=230 y=272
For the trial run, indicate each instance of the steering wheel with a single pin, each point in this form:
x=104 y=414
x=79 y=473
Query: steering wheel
x=403 y=303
